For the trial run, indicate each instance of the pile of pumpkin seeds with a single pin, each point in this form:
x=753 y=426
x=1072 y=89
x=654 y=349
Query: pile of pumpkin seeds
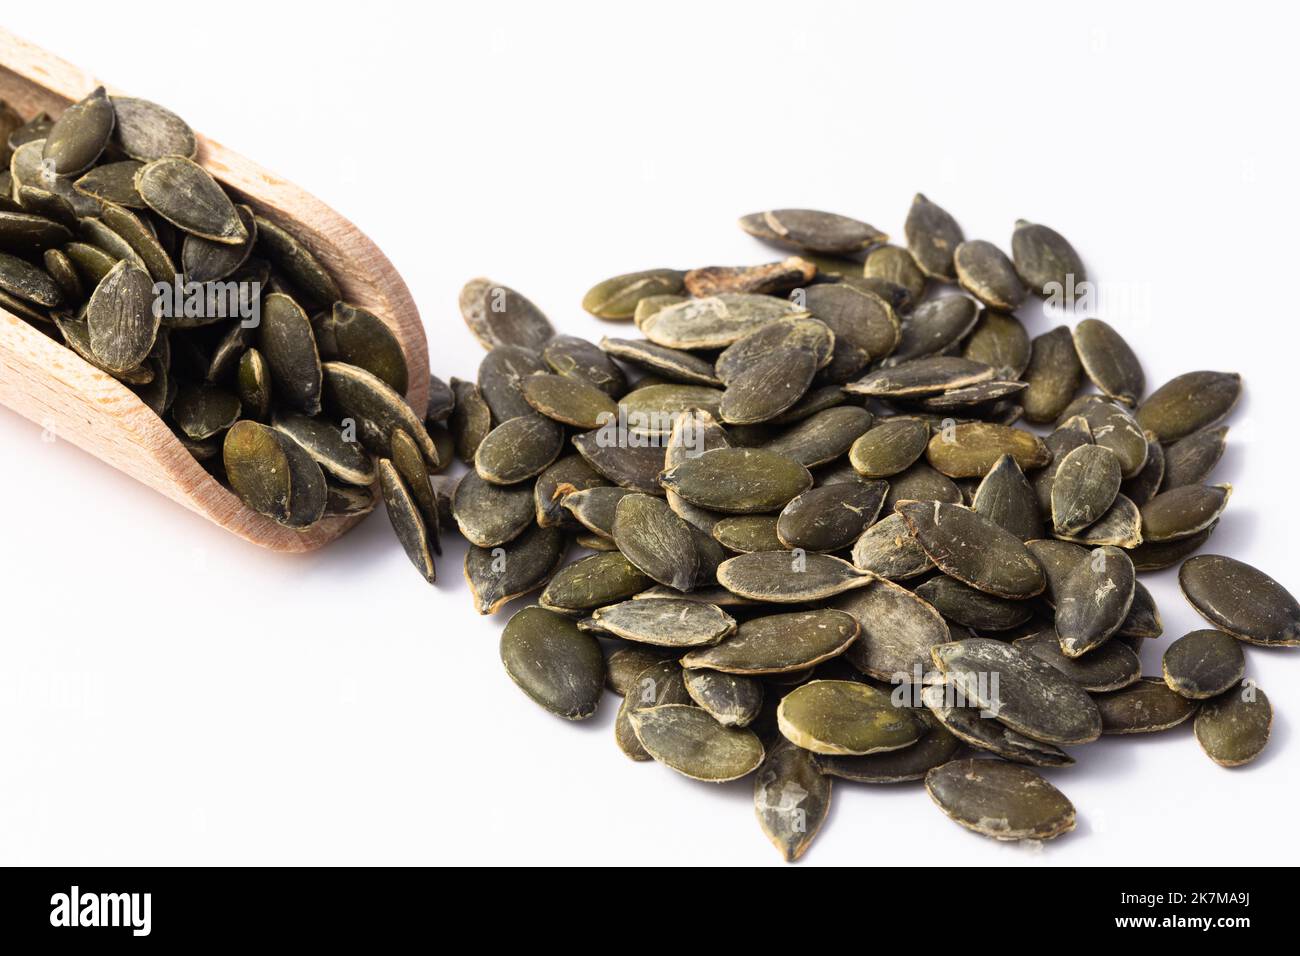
x=116 y=243
x=819 y=540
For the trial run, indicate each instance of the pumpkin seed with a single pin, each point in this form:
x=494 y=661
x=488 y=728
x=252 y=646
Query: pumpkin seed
x=1109 y=361
x=91 y=262
x=936 y=747
x=831 y=517
x=789 y=577
x=592 y=582
x=658 y=684
x=292 y=258
x=285 y=338
x=1240 y=599
x=113 y=182
x=823 y=437
x=932 y=238
x=672 y=364
x=146 y=131
x=651 y=304
x=623 y=665
x=898 y=631
x=257 y=467
x=201 y=411
x=500 y=379
x=792 y=799
x=845 y=717
x=1144 y=486
x=889 y=550
x=1045 y=261
x=1000 y=800
x=121 y=318
x=182 y=192
x=965 y=721
x=1024 y=693
x=406 y=458
x=511 y=570
x=985 y=272
x=1120 y=527
x=1108 y=667
x=1094 y=600
x=1165 y=554
x=581 y=361
x=142 y=240
x=64 y=274
x=771 y=385
x=1084 y=487
x=768 y=279
x=1054 y=374
x=442 y=401
x=1190 y=460
x=489 y=515
x=999 y=340
x=1183 y=512
x=617 y=298
x=746 y=534
x=566 y=476
x=656 y=540
x=1189 y=403
x=777 y=643
x=1005 y=497
x=568 y=401
x=895 y=265
x=594 y=507
x=28 y=282
x=1143 y=707
x=730 y=699
x=1143 y=616
x=738 y=480
x=968 y=607
x=921 y=483
x=553 y=662
x=812 y=231
x=518 y=449
x=688 y=740
x=970 y=450
x=471 y=419
x=1234 y=727
x=974 y=550
x=665 y=622
x=77 y=137
x=921 y=377
x=934 y=327
x=629 y=464
x=1203 y=664
x=716 y=321
x=362 y=339
x=889 y=448
x=864 y=325
x=652 y=409
x=405 y=517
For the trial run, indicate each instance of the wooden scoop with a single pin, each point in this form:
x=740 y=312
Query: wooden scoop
x=51 y=385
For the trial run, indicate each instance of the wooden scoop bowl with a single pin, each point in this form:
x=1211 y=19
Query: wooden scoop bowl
x=51 y=385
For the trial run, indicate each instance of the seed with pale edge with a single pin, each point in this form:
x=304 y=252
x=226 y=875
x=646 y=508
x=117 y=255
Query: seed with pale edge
x=1109 y=361
x=974 y=550
x=972 y=725
x=1054 y=374
x=831 y=517
x=592 y=582
x=518 y=449
x=489 y=515
x=498 y=575
x=971 y=449
x=812 y=230
x=656 y=540
x=845 y=717
x=1094 y=600
x=1182 y=512
x=1006 y=498
x=789 y=577
x=986 y=273
x=408 y=524
x=738 y=480
x=77 y=137
x=1203 y=664
x=1000 y=800
x=731 y=699
x=666 y=622
x=690 y=741
x=1190 y=460
x=889 y=549
x=258 y=469
x=964 y=605
x=121 y=318
x=616 y=298
x=1234 y=727
x=778 y=643
x=890 y=447
x=936 y=747
x=553 y=662
x=1109 y=667
x=285 y=337
x=1240 y=599
x=1143 y=707
x=146 y=131
x=792 y=799
x=1084 y=487
x=1188 y=403
x=932 y=237
x=185 y=194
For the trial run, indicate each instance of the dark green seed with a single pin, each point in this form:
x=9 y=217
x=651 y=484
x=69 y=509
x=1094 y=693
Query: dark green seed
x=831 y=517
x=1054 y=374
x=665 y=622
x=182 y=192
x=968 y=607
x=864 y=325
x=1203 y=664
x=146 y=131
x=716 y=321
x=553 y=662
x=1120 y=527
x=921 y=483
x=1188 y=403
x=971 y=450
x=142 y=240
x=1045 y=261
x=890 y=550
x=1233 y=728
x=1109 y=361
x=895 y=265
x=812 y=231
x=898 y=632
x=518 y=449
x=113 y=182
x=291 y=257
x=65 y=275
x=1094 y=600
x=656 y=540
x=746 y=534
x=568 y=400
x=730 y=699
x=622 y=666
x=1000 y=800
x=1006 y=498
x=120 y=317
x=1165 y=554
x=566 y=476
x=202 y=411
x=206 y=261
x=1183 y=512
x=285 y=338
x=1190 y=460
x=29 y=282
x=629 y=462
x=845 y=717
x=77 y=137
x=362 y=339
x=932 y=238
x=691 y=742
x=582 y=361
x=652 y=409
x=789 y=577
x=792 y=799
x=921 y=377
x=738 y=480
x=985 y=272
x=777 y=643
x=999 y=340
x=258 y=469
x=934 y=749
x=471 y=419
x=1109 y=667
x=508 y=571
x=823 y=437
x=500 y=378
x=617 y=298
x=1084 y=487
x=489 y=515
x=889 y=448
x=934 y=327
x=972 y=725
x=974 y=550
x=592 y=582
x=1242 y=600
x=1144 y=486
x=672 y=364
x=1143 y=707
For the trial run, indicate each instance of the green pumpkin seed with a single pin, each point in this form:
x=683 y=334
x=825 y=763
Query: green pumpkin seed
x=789 y=577
x=831 y=517
x=292 y=258
x=895 y=265
x=628 y=463
x=511 y=570
x=594 y=507
x=206 y=261
x=518 y=449
x=285 y=338
x=985 y=272
x=968 y=723
x=1029 y=696
x=1143 y=616
x=1190 y=460
x=652 y=409
x=309 y=492
x=934 y=327
x=91 y=262
x=1069 y=435
x=25 y=233
x=362 y=339
x=409 y=463
x=1242 y=600
x=581 y=361
x=182 y=192
x=567 y=475
x=347 y=500
x=76 y=336
x=1188 y=403
x=672 y=364
x=29 y=282
x=567 y=400
x=1094 y=600
x=921 y=377
x=738 y=480
x=623 y=665
x=120 y=318
x=1006 y=498
x=1145 y=706
x=665 y=622
x=1054 y=374
x=1113 y=427
x=1183 y=512
x=898 y=631
x=730 y=699
x=809 y=230
x=471 y=419
x=1109 y=361
x=777 y=643
x=845 y=717
x=1084 y=487
x=768 y=279
x=1000 y=800
x=691 y=742
x=972 y=449
x=656 y=540
x=42 y=202
x=656 y=685
x=936 y=747
x=408 y=524
x=1144 y=486
x=652 y=304
x=257 y=467
x=592 y=582
x=968 y=607
x=442 y=401
x=146 y=131
x=353 y=393
x=921 y=483
x=142 y=240
x=746 y=534
x=1120 y=527
x=792 y=799
x=823 y=437
x=1046 y=262
x=864 y=325
x=1158 y=556
x=999 y=340
x=889 y=550
x=770 y=386
x=500 y=378
x=554 y=663
x=489 y=515
x=716 y=321
x=974 y=550
x=202 y=411
x=77 y=138
x=617 y=298
x=98 y=234
x=889 y=448
x=64 y=274
x=1203 y=664
x=1108 y=667
x=113 y=182
x=932 y=238
x=1233 y=729
x=340 y=458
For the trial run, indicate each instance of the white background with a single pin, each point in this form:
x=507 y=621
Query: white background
x=170 y=694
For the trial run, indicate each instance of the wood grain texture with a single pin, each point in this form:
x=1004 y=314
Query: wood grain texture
x=53 y=387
